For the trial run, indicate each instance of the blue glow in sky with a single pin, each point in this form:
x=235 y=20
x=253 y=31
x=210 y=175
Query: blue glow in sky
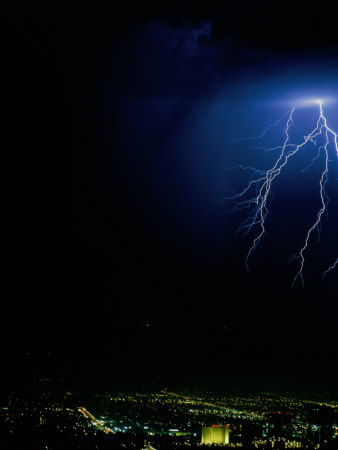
x=181 y=101
x=255 y=196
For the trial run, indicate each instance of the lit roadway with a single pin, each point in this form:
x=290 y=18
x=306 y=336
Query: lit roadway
x=94 y=421
x=329 y=405
x=228 y=410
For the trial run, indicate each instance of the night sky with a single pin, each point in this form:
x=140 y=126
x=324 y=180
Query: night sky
x=119 y=121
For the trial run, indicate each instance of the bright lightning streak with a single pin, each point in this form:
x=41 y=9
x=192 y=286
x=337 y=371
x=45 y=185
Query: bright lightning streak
x=330 y=268
x=263 y=133
x=261 y=181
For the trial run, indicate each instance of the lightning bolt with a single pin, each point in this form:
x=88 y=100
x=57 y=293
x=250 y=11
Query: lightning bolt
x=260 y=183
x=330 y=268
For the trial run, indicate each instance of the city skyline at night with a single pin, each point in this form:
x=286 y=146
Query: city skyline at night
x=169 y=253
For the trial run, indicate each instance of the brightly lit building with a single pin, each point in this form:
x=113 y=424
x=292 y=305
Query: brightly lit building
x=216 y=434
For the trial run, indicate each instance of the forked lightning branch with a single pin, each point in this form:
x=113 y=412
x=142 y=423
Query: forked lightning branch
x=255 y=195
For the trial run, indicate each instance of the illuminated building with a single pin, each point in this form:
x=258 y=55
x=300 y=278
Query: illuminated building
x=216 y=434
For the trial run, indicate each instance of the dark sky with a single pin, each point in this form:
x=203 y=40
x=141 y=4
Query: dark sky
x=114 y=176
